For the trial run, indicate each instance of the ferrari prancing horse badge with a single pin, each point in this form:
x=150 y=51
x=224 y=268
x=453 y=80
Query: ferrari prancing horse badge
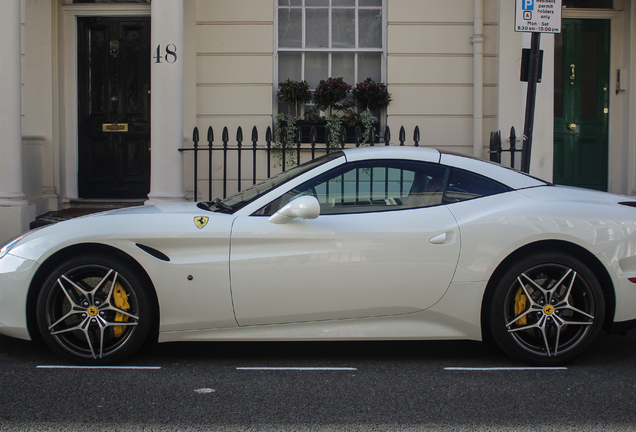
x=201 y=221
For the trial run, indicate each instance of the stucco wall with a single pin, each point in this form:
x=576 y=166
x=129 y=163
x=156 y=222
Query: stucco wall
x=234 y=76
x=430 y=70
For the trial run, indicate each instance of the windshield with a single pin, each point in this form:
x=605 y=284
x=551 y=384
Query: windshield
x=244 y=197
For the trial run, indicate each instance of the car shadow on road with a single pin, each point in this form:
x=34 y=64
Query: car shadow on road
x=313 y=353
x=608 y=349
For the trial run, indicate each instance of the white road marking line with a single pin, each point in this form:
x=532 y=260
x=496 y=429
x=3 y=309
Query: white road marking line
x=299 y=368
x=204 y=390
x=100 y=367
x=504 y=368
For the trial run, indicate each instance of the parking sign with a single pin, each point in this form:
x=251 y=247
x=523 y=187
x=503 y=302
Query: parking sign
x=538 y=16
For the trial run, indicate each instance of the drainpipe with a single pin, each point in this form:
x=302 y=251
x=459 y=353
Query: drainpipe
x=478 y=77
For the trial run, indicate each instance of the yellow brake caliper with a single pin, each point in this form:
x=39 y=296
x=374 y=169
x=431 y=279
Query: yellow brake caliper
x=521 y=302
x=120 y=299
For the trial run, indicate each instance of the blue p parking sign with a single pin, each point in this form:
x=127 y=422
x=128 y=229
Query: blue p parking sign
x=528 y=5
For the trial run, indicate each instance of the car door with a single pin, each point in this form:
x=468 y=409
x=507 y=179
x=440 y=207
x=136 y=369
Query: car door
x=373 y=251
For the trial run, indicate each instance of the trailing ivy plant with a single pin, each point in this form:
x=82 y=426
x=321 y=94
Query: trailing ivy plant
x=289 y=122
x=334 y=124
x=368 y=120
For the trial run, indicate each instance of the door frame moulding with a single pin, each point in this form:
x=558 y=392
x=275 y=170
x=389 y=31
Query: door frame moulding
x=68 y=70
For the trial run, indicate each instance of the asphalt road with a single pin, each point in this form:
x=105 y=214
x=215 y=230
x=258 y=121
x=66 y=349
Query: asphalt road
x=370 y=386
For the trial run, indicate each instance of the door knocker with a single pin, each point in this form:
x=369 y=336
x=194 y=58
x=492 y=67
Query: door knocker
x=114 y=48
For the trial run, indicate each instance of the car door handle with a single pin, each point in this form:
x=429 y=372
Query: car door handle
x=439 y=239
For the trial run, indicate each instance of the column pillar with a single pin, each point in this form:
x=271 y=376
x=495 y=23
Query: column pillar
x=166 y=76
x=12 y=203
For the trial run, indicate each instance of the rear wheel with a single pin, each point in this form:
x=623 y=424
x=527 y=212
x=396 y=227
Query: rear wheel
x=93 y=309
x=547 y=309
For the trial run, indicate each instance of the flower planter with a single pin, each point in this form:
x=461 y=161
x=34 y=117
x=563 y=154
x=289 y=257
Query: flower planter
x=321 y=130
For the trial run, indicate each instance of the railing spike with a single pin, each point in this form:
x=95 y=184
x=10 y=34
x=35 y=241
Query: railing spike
x=195 y=135
x=226 y=135
x=239 y=134
x=416 y=136
x=402 y=137
x=210 y=134
x=254 y=134
x=268 y=134
x=387 y=136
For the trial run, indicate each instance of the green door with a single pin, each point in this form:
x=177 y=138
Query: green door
x=581 y=103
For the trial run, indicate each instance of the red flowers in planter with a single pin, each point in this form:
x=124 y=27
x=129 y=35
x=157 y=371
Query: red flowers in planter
x=371 y=95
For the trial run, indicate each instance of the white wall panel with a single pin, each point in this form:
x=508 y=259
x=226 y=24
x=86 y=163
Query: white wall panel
x=437 y=39
x=235 y=10
x=244 y=38
x=234 y=100
x=436 y=100
x=430 y=10
x=422 y=69
x=235 y=69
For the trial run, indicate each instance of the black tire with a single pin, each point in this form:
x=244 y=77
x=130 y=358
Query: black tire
x=94 y=310
x=553 y=316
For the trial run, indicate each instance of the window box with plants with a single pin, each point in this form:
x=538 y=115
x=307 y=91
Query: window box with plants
x=332 y=99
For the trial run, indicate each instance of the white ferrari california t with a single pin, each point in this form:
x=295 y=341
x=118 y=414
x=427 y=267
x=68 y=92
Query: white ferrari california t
x=363 y=244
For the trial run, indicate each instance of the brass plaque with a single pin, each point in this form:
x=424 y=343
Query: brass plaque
x=114 y=127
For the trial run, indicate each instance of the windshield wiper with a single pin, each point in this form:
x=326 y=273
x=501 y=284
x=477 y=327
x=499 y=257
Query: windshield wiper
x=220 y=206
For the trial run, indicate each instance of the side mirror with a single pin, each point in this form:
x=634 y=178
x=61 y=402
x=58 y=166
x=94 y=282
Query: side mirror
x=305 y=207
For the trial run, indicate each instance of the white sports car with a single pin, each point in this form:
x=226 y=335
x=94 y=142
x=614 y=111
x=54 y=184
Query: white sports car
x=362 y=244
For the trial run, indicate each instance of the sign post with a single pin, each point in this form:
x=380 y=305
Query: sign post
x=536 y=17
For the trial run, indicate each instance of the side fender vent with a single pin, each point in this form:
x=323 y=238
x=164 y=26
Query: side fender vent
x=154 y=252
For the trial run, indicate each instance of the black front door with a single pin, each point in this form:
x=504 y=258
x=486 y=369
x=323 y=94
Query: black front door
x=114 y=107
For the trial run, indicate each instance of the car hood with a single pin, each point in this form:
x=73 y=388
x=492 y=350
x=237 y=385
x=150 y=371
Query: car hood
x=152 y=223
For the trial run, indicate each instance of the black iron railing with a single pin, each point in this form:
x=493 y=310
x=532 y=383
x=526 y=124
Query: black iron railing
x=496 y=148
x=285 y=155
x=274 y=155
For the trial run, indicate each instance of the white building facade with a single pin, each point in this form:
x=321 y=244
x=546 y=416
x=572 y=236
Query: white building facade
x=98 y=96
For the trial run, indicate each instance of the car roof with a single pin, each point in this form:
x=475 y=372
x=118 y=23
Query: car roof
x=426 y=154
x=507 y=176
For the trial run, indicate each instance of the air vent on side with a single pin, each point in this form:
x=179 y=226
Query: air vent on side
x=154 y=252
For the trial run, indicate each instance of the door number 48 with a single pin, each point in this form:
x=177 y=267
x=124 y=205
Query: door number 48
x=170 y=55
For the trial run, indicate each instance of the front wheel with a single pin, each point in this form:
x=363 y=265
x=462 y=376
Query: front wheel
x=93 y=309
x=546 y=309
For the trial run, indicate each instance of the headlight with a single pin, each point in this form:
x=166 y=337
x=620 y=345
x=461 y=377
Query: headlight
x=7 y=247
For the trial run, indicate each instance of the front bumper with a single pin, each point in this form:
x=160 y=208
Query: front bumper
x=15 y=277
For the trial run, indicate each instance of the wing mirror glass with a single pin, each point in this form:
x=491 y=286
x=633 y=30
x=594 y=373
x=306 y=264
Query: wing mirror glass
x=304 y=207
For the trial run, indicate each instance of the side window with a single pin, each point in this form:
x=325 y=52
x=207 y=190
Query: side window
x=464 y=185
x=371 y=186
